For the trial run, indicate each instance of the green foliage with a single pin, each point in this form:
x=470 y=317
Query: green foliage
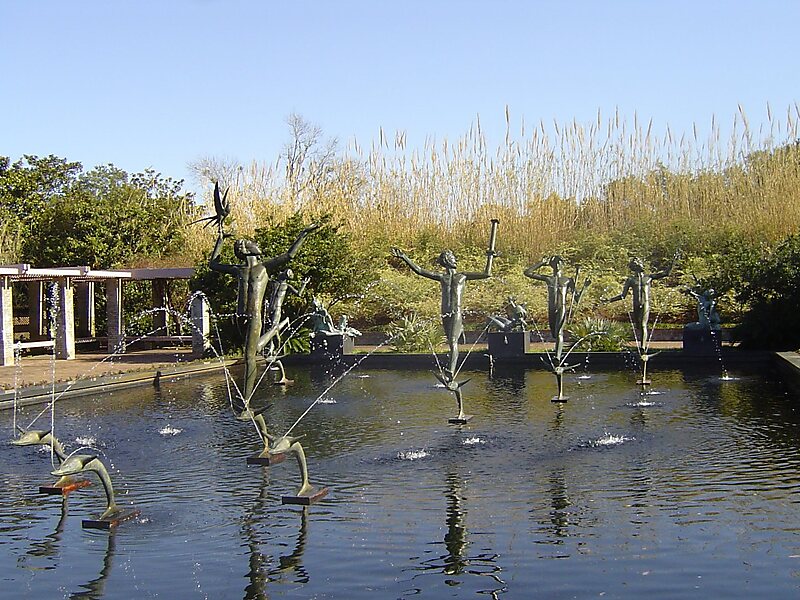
x=326 y=256
x=769 y=286
x=611 y=338
x=414 y=334
x=107 y=219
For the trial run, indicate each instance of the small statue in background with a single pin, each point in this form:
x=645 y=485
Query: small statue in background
x=515 y=319
x=322 y=322
x=707 y=315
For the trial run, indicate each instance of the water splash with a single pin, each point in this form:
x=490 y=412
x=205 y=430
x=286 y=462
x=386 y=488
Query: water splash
x=472 y=441
x=413 y=454
x=610 y=439
x=169 y=430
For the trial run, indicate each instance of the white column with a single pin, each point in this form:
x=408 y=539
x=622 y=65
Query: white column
x=115 y=329
x=6 y=322
x=65 y=330
x=201 y=326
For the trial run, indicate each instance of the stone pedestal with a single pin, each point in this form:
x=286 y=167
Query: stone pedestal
x=701 y=341
x=6 y=323
x=115 y=329
x=201 y=326
x=330 y=347
x=65 y=331
x=509 y=345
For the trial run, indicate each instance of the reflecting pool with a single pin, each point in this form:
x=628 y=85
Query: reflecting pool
x=690 y=490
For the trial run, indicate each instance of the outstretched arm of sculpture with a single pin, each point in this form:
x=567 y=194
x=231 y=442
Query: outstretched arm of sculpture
x=414 y=266
x=487 y=271
x=274 y=263
x=531 y=271
x=668 y=270
x=302 y=289
x=621 y=295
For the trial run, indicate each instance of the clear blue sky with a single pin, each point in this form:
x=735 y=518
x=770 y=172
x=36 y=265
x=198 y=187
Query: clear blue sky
x=162 y=83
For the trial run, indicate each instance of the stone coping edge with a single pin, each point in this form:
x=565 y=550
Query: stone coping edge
x=789 y=362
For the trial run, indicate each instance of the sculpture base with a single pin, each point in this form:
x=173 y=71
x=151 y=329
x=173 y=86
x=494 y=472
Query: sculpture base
x=331 y=347
x=111 y=522
x=266 y=461
x=312 y=497
x=701 y=341
x=508 y=345
x=459 y=420
x=560 y=399
x=65 y=488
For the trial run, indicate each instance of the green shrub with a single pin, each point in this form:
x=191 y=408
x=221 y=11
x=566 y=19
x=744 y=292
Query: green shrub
x=414 y=334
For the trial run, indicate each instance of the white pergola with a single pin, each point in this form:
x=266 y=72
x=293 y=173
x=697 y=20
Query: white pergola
x=75 y=289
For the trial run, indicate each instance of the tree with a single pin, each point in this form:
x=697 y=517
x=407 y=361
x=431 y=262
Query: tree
x=107 y=219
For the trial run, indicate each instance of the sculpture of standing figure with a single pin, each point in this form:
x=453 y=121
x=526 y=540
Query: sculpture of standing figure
x=278 y=289
x=452 y=283
x=559 y=288
x=253 y=277
x=639 y=283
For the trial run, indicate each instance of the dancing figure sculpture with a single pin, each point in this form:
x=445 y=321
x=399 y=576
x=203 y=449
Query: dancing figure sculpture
x=253 y=277
x=562 y=297
x=278 y=289
x=638 y=283
x=452 y=283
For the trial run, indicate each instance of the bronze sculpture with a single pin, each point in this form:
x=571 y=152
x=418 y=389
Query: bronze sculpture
x=639 y=284
x=515 y=318
x=562 y=297
x=253 y=278
x=452 y=283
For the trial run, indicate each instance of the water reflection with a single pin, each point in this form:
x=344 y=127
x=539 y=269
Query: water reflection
x=95 y=588
x=262 y=569
x=560 y=502
x=457 y=561
x=49 y=547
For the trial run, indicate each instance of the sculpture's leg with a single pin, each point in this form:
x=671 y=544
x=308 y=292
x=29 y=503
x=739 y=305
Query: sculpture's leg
x=282 y=380
x=250 y=375
x=460 y=402
x=261 y=424
x=105 y=479
x=306 y=488
x=559 y=335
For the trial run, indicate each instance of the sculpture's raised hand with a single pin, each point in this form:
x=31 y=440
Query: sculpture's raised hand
x=398 y=253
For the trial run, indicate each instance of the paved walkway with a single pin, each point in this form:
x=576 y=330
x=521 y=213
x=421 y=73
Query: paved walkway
x=43 y=369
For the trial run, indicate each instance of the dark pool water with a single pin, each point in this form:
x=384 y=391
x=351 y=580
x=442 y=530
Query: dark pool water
x=689 y=492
